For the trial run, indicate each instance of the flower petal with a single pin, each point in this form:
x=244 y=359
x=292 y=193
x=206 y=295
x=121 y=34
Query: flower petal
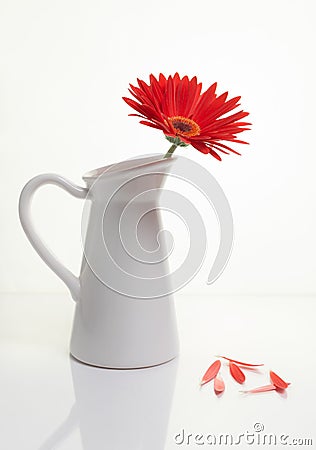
x=182 y=96
x=227 y=120
x=277 y=381
x=211 y=372
x=214 y=154
x=205 y=99
x=219 y=144
x=144 y=109
x=194 y=91
x=268 y=387
x=240 y=363
x=201 y=147
x=219 y=385
x=150 y=124
x=169 y=99
x=236 y=372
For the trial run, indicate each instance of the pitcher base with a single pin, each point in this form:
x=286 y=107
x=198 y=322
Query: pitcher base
x=122 y=367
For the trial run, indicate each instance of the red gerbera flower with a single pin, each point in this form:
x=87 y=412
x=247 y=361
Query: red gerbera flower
x=177 y=107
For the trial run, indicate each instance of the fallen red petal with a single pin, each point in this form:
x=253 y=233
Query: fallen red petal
x=240 y=363
x=277 y=381
x=269 y=387
x=219 y=385
x=211 y=372
x=236 y=372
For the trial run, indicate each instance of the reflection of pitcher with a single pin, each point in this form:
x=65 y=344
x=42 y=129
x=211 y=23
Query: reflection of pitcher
x=119 y=409
x=125 y=313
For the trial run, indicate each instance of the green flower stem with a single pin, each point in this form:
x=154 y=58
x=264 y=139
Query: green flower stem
x=170 y=151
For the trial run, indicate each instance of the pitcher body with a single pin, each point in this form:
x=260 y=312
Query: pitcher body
x=121 y=319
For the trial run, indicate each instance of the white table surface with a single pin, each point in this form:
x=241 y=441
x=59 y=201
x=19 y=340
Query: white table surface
x=50 y=401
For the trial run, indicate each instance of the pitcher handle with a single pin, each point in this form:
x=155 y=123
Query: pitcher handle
x=71 y=281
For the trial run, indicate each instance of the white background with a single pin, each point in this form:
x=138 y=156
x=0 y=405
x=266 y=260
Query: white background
x=65 y=66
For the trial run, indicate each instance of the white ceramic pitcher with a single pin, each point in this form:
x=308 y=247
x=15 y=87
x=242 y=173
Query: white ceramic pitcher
x=124 y=315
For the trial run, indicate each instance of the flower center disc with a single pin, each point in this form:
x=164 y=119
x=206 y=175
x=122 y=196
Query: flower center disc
x=184 y=126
